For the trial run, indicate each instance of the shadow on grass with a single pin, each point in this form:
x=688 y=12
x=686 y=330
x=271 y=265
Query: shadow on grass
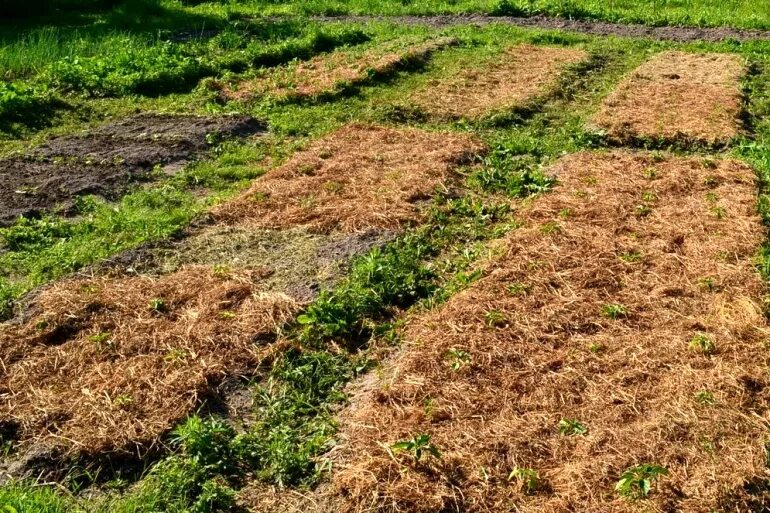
x=97 y=17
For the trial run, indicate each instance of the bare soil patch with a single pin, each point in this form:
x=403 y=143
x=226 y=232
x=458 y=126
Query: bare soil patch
x=491 y=373
x=356 y=179
x=108 y=160
x=593 y=27
x=108 y=364
x=329 y=74
x=513 y=79
x=677 y=96
x=297 y=262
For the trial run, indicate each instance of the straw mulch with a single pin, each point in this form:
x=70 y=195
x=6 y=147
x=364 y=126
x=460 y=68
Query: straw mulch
x=110 y=364
x=673 y=241
x=326 y=74
x=677 y=96
x=358 y=178
x=516 y=77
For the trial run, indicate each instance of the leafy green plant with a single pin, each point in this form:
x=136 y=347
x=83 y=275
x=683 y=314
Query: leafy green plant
x=636 y=482
x=614 y=311
x=150 y=70
x=572 y=427
x=18 y=100
x=416 y=447
x=495 y=319
x=515 y=175
x=206 y=442
x=642 y=210
x=518 y=289
x=705 y=397
x=708 y=284
x=102 y=340
x=158 y=305
x=631 y=257
x=527 y=478
x=703 y=344
x=458 y=358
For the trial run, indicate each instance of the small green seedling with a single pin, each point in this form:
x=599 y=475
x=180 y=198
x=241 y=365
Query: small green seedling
x=642 y=210
x=122 y=401
x=631 y=257
x=333 y=187
x=572 y=427
x=417 y=446
x=157 y=305
x=649 y=196
x=527 y=479
x=614 y=311
x=718 y=212
x=708 y=284
x=703 y=344
x=458 y=358
x=102 y=340
x=550 y=227
x=519 y=289
x=650 y=173
x=636 y=482
x=595 y=347
x=495 y=319
x=565 y=213
x=221 y=271
x=175 y=355
x=705 y=397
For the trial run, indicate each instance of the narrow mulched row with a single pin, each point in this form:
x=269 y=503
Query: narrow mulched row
x=330 y=74
x=677 y=97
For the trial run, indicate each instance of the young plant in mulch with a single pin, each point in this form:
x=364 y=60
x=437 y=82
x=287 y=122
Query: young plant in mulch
x=416 y=447
x=636 y=482
x=527 y=479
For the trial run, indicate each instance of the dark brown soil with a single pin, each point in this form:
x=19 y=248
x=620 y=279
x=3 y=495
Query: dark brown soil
x=597 y=28
x=108 y=160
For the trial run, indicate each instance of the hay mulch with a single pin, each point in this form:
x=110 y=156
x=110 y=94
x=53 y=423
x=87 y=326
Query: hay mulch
x=107 y=365
x=516 y=77
x=358 y=178
x=671 y=240
x=677 y=96
x=329 y=74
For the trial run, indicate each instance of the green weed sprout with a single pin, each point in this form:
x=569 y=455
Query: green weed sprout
x=636 y=482
x=417 y=446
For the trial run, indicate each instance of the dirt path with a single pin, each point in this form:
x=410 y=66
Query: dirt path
x=597 y=28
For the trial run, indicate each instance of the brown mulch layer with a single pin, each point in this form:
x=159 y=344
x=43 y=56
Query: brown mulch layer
x=513 y=79
x=491 y=373
x=108 y=161
x=677 y=96
x=328 y=74
x=108 y=364
x=593 y=27
x=357 y=178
